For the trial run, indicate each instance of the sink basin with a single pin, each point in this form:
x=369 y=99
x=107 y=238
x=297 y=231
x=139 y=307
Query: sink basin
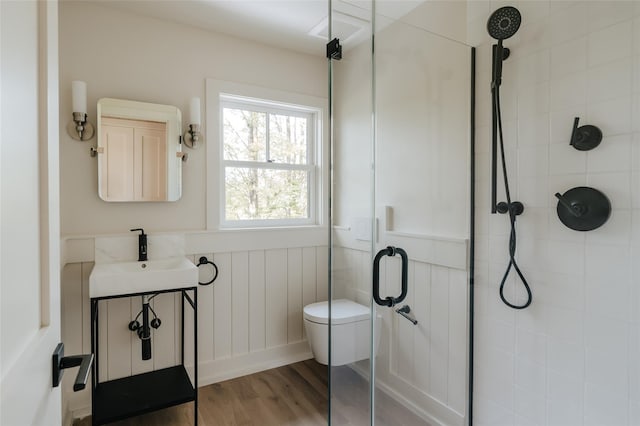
x=112 y=279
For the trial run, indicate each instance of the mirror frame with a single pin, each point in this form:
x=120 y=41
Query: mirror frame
x=134 y=110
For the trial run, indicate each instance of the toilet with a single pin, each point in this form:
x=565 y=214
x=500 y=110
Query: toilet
x=351 y=331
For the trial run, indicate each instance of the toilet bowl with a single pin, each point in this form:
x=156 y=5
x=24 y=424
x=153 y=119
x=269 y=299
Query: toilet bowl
x=350 y=331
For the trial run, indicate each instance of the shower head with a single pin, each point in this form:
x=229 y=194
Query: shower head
x=504 y=22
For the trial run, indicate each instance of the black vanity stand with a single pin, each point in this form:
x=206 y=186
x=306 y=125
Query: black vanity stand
x=119 y=399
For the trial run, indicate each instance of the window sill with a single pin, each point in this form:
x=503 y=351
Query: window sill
x=271 y=228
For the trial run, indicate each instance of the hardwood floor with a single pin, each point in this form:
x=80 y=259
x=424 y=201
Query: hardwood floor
x=293 y=395
x=350 y=403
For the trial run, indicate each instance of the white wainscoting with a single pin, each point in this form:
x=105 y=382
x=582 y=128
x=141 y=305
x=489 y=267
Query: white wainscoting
x=249 y=320
x=423 y=366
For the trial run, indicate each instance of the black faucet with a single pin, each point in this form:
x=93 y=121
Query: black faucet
x=142 y=245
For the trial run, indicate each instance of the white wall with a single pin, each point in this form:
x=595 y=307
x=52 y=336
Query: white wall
x=149 y=60
x=571 y=357
x=422 y=131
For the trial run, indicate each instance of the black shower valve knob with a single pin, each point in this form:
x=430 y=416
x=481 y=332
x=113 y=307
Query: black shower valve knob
x=583 y=208
x=585 y=138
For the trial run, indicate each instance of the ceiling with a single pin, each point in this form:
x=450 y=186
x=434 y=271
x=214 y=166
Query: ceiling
x=299 y=25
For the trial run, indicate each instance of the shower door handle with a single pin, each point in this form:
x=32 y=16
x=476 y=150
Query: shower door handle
x=390 y=301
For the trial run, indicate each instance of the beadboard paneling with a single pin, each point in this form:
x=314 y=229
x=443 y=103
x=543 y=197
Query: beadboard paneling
x=257 y=307
x=276 y=297
x=205 y=315
x=222 y=327
x=439 y=332
x=425 y=364
x=294 y=294
x=240 y=302
x=309 y=277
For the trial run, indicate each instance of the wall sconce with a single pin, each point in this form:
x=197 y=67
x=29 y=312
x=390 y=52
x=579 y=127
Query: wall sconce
x=192 y=136
x=80 y=129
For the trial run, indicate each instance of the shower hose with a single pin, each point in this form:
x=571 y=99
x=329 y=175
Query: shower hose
x=512 y=215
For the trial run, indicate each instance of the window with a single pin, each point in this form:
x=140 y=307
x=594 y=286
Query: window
x=268 y=163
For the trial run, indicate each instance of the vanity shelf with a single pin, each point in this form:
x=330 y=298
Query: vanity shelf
x=126 y=397
x=131 y=396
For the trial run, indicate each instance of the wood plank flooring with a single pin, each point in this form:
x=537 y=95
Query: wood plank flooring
x=292 y=395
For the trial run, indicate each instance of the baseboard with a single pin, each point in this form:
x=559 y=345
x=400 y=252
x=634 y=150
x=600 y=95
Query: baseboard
x=80 y=413
x=67 y=415
x=241 y=365
x=225 y=369
x=76 y=405
x=441 y=415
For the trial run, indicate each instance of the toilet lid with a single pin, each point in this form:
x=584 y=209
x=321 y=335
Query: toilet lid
x=342 y=311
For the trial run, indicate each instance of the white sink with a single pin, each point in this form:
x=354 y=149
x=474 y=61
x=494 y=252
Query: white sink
x=112 y=279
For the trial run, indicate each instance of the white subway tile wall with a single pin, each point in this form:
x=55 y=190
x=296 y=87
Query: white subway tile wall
x=571 y=357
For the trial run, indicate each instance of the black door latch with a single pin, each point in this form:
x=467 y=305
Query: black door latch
x=60 y=362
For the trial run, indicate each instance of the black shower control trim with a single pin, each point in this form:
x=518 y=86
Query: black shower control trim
x=585 y=138
x=583 y=208
x=516 y=206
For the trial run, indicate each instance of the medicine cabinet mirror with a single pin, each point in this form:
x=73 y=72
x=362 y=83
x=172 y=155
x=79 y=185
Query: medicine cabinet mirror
x=139 y=151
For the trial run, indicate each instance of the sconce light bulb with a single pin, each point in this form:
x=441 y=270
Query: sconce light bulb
x=79 y=96
x=195 y=111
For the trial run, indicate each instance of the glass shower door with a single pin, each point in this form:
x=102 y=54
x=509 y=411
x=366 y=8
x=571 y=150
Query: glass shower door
x=422 y=98
x=400 y=213
x=351 y=213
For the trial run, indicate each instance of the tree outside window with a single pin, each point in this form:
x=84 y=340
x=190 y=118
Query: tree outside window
x=268 y=163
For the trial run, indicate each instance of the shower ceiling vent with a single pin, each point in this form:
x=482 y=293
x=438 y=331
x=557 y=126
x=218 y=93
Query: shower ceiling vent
x=345 y=27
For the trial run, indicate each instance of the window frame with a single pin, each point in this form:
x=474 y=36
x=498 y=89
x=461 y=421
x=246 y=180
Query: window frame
x=269 y=108
x=227 y=94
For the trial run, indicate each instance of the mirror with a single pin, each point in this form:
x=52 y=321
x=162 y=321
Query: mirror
x=139 y=151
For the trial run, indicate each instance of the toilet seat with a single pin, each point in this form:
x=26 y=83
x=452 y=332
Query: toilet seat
x=343 y=311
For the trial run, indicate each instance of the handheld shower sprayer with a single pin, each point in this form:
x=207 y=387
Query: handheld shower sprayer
x=503 y=24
